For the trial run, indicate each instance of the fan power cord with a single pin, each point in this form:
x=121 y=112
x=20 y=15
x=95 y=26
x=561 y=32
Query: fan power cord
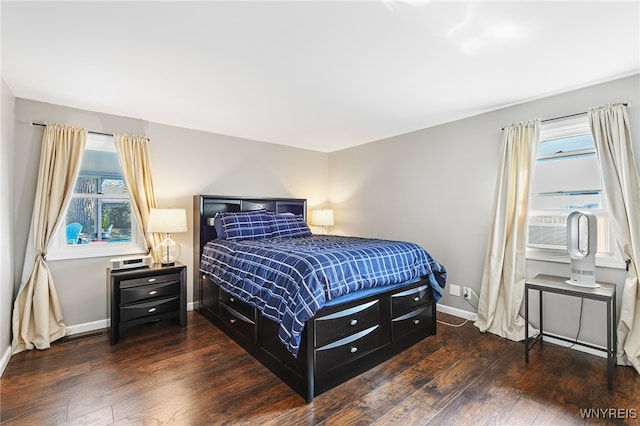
x=575 y=342
x=454 y=325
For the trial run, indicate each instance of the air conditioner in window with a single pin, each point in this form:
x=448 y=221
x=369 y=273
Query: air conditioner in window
x=548 y=231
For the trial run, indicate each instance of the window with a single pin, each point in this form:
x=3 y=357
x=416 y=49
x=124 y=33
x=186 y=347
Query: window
x=567 y=178
x=99 y=220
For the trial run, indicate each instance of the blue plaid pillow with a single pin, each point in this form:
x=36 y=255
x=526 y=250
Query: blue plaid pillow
x=288 y=225
x=251 y=225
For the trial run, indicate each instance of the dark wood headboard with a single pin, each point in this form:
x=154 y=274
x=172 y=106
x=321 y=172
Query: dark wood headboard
x=205 y=208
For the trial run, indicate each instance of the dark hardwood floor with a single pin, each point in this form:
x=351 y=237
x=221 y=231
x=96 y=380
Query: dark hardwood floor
x=164 y=374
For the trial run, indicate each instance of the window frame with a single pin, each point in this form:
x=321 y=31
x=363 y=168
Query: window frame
x=564 y=128
x=60 y=250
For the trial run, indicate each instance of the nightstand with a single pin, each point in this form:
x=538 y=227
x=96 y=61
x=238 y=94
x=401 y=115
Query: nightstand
x=143 y=295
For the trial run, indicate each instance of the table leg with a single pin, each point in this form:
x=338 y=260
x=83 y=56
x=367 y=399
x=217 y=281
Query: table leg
x=541 y=310
x=526 y=324
x=614 y=328
x=610 y=349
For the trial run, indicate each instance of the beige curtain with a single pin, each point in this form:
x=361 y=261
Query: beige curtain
x=610 y=128
x=502 y=288
x=133 y=152
x=37 y=316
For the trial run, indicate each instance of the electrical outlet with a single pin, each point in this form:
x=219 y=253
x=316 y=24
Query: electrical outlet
x=466 y=291
x=454 y=290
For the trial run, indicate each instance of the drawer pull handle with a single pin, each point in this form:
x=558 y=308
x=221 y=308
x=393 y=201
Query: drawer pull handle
x=152 y=310
x=416 y=299
x=232 y=299
x=152 y=292
x=354 y=349
x=233 y=320
x=150 y=280
x=416 y=321
x=353 y=322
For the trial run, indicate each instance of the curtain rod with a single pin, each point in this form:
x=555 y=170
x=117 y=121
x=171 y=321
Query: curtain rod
x=37 y=123
x=567 y=116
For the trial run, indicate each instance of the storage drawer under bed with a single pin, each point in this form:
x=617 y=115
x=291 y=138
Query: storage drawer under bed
x=339 y=353
x=242 y=324
x=237 y=305
x=346 y=322
x=416 y=322
x=409 y=299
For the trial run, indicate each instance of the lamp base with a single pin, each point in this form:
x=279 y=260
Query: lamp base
x=168 y=251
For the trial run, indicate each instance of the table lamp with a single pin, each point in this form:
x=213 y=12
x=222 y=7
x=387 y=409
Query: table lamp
x=322 y=218
x=166 y=221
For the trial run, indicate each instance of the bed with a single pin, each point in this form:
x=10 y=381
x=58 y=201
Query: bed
x=316 y=310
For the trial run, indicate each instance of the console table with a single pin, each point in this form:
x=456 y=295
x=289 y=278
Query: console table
x=552 y=284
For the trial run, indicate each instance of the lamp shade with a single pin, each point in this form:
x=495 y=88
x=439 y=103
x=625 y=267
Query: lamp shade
x=322 y=217
x=167 y=220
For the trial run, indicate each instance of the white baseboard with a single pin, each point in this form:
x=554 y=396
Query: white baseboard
x=472 y=316
x=4 y=361
x=87 y=326
x=468 y=315
x=99 y=325
x=598 y=352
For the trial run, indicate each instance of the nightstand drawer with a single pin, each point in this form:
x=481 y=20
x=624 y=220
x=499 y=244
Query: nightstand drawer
x=156 y=279
x=149 y=291
x=155 y=307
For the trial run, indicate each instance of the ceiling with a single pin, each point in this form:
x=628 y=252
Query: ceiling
x=316 y=75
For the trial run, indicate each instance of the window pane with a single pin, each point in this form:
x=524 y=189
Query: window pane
x=113 y=186
x=566 y=183
x=100 y=220
x=116 y=220
x=100 y=163
x=86 y=185
x=84 y=212
x=565 y=145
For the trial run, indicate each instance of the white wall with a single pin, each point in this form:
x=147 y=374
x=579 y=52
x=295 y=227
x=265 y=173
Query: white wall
x=436 y=186
x=433 y=186
x=6 y=221
x=184 y=162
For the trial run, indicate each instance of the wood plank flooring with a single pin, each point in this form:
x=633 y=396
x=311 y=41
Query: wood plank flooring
x=164 y=374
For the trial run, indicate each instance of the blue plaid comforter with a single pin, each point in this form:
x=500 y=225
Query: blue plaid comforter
x=289 y=279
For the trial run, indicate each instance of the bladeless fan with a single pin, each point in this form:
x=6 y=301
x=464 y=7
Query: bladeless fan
x=582 y=243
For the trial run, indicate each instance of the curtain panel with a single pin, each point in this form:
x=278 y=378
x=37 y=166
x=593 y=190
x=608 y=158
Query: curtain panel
x=133 y=152
x=37 y=316
x=610 y=128
x=502 y=288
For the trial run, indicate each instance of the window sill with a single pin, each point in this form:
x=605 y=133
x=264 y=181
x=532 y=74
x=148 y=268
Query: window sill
x=613 y=262
x=83 y=251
